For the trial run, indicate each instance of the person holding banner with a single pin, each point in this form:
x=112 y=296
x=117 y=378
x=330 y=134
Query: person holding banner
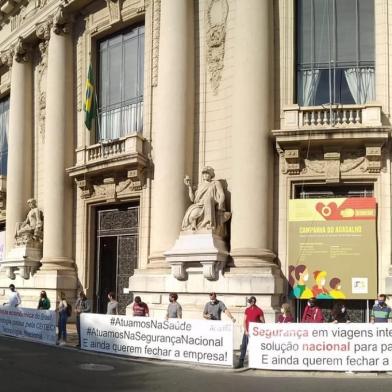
x=253 y=314
x=139 y=308
x=339 y=314
x=312 y=313
x=43 y=302
x=112 y=307
x=82 y=305
x=285 y=316
x=381 y=312
x=214 y=308
x=63 y=317
x=174 y=309
x=14 y=299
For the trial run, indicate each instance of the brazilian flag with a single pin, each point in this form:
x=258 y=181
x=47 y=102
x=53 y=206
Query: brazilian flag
x=89 y=101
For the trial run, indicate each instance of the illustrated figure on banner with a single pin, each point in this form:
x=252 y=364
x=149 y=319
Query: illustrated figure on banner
x=336 y=289
x=32 y=227
x=319 y=290
x=299 y=288
x=208 y=209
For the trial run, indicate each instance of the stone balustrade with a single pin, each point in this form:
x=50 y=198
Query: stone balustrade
x=326 y=116
x=100 y=157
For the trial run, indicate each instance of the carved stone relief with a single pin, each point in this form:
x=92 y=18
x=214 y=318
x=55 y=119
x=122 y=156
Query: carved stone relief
x=332 y=164
x=111 y=188
x=216 y=36
x=43 y=33
x=155 y=40
x=114 y=10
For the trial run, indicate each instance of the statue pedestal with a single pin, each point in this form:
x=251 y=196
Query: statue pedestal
x=23 y=258
x=194 y=249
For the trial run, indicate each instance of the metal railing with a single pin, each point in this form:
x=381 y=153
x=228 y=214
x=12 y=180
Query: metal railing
x=120 y=120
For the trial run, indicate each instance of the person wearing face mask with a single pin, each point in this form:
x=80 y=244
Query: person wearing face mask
x=339 y=314
x=312 y=313
x=174 y=309
x=253 y=314
x=285 y=316
x=381 y=312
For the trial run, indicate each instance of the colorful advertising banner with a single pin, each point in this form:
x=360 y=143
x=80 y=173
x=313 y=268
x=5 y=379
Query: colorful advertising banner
x=198 y=341
x=332 y=250
x=31 y=324
x=328 y=347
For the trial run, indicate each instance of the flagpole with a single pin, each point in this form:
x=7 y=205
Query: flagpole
x=98 y=121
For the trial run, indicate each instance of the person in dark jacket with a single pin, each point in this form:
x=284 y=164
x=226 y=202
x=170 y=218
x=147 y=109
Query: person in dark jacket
x=339 y=314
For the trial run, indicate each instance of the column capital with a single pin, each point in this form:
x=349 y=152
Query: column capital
x=61 y=21
x=21 y=51
x=42 y=30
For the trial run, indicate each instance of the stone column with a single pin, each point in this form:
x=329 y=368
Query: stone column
x=20 y=147
x=58 y=150
x=251 y=184
x=172 y=142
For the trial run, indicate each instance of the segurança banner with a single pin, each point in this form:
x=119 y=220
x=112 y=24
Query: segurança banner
x=30 y=324
x=198 y=341
x=325 y=347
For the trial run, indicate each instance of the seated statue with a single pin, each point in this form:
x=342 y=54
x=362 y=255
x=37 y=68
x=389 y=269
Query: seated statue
x=208 y=208
x=32 y=226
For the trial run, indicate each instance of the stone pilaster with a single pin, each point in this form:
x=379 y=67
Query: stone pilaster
x=20 y=161
x=173 y=126
x=57 y=249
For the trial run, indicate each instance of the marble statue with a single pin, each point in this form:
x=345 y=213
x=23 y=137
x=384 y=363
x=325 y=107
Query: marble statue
x=32 y=227
x=208 y=209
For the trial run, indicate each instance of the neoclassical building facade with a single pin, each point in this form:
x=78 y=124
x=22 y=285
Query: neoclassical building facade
x=252 y=102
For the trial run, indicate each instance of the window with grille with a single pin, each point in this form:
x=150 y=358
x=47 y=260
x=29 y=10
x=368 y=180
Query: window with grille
x=121 y=70
x=335 y=52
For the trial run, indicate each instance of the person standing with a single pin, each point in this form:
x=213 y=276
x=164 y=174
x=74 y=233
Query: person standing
x=14 y=299
x=312 y=313
x=63 y=317
x=253 y=314
x=112 y=304
x=139 y=308
x=174 y=309
x=339 y=314
x=43 y=303
x=381 y=312
x=82 y=305
x=214 y=308
x=285 y=316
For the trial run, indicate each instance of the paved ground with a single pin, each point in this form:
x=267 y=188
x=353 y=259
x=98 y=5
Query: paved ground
x=26 y=366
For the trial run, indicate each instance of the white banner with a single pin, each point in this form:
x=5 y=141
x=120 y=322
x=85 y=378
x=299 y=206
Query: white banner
x=337 y=347
x=31 y=324
x=199 y=341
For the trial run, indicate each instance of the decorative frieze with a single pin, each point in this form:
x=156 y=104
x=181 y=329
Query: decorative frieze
x=331 y=163
x=111 y=188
